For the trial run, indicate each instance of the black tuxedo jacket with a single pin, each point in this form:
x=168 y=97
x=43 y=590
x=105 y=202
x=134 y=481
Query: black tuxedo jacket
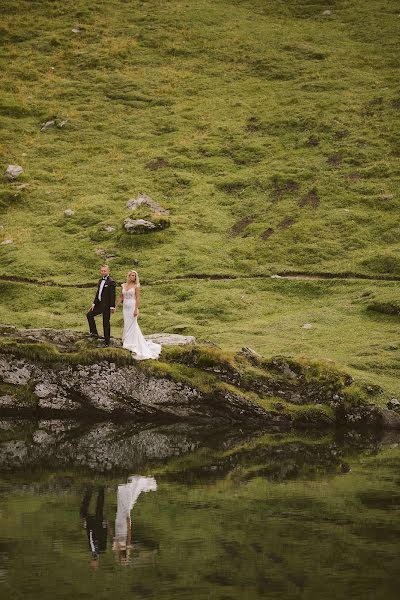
x=108 y=295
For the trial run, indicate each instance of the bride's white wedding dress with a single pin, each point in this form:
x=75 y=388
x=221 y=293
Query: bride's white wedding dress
x=132 y=337
x=127 y=495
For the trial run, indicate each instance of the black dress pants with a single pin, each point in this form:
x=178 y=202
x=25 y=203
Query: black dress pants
x=84 y=510
x=96 y=527
x=100 y=309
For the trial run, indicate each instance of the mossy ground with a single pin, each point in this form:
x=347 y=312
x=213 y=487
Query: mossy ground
x=269 y=131
x=300 y=392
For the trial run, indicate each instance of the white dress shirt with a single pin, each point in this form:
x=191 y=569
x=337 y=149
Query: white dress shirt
x=102 y=284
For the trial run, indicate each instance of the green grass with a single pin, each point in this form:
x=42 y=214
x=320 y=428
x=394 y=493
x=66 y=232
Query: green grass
x=268 y=131
x=220 y=111
x=267 y=315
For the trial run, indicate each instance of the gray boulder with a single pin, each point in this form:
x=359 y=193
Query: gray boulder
x=171 y=339
x=250 y=354
x=47 y=125
x=138 y=225
x=13 y=171
x=394 y=404
x=389 y=419
x=134 y=203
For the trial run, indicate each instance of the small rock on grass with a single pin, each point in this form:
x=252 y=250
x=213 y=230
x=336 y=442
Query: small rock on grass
x=6 y=242
x=171 y=339
x=13 y=171
x=53 y=123
x=47 y=125
x=134 y=203
x=307 y=326
x=249 y=353
x=69 y=212
x=393 y=404
x=138 y=225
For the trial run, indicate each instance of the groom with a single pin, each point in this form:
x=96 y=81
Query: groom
x=103 y=304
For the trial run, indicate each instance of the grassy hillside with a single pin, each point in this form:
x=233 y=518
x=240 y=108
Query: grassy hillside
x=266 y=128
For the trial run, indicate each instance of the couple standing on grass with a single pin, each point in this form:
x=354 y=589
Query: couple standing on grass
x=104 y=304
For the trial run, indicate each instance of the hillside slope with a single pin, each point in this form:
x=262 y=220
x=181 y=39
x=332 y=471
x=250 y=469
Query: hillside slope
x=267 y=129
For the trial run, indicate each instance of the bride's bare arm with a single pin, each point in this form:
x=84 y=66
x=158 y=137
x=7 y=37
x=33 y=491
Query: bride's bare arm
x=120 y=299
x=137 y=294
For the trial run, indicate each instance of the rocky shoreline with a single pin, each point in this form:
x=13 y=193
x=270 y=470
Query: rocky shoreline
x=53 y=373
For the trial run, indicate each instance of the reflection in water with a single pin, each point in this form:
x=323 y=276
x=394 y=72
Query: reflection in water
x=96 y=527
x=127 y=495
x=236 y=515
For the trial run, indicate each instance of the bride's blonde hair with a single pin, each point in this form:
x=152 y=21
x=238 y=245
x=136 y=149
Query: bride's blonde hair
x=137 y=282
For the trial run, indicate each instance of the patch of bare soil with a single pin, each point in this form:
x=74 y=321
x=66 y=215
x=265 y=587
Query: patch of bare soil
x=335 y=159
x=157 y=163
x=286 y=222
x=310 y=199
x=267 y=233
x=284 y=187
x=239 y=226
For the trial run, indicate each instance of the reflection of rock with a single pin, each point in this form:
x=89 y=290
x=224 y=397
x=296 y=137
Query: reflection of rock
x=102 y=446
x=105 y=446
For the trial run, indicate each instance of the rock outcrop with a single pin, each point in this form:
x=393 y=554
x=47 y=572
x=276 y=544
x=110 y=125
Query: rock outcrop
x=51 y=372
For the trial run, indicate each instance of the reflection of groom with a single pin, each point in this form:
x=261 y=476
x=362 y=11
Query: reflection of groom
x=96 y=527
x=104 y=303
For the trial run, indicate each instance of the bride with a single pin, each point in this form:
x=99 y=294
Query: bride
x=132 y=337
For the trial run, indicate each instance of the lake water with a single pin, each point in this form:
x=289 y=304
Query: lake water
x=227 y=515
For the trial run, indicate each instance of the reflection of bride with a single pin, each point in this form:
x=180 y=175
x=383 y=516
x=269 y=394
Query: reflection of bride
x=127 y=495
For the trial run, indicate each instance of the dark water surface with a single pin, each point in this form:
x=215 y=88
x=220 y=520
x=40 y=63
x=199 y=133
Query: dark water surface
x=233 y=516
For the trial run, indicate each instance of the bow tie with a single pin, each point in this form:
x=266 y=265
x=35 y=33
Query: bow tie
x=104 y=278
